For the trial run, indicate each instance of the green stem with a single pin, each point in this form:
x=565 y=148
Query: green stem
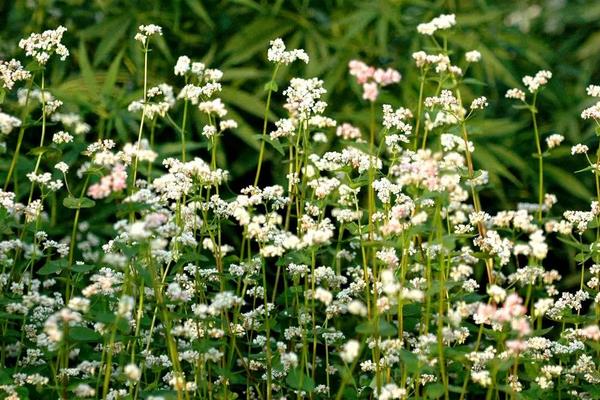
x=540 y=158
x=265 y=122
x=39 y=158
x=24 y=115
x=73 y=240
x=185 y=110
x=419 y=110
x=141 y=129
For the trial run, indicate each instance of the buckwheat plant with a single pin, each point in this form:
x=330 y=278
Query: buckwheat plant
x=373 y=271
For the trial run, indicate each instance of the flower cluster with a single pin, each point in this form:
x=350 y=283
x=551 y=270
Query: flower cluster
x=278 y=54
x=146 y=31
x=444 y=21
x=371 y=78
x=368 y=268
x=42 y=45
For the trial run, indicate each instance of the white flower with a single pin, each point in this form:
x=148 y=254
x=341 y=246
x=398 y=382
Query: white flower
x=592 y=112
x=473 y=56
x=350 y=351
x=62 y=167
x=554 y=140
x=348 y=132
x=160 y=99
x=357 y=307
x=183 y=66
x=278 y=54
x=303 y=97
x=285 y=128
x=391 y=391
x=482 y=377
x=42 y=45
x=145 y=31
x=138 y=231
x=446 y=100
x=540 y=79
x=395 y=119
x=444 y=21
x=593 y=90
x=11 y=72
x=62 y=137
x=515 y=94
x=479 y=103
x=209 y=131
x=579 y=149
x=323 y=295
x=227 y=124
x=215 y=106
x=132 y=372
x=8 y=123
x=84 y=390
x=72 y=121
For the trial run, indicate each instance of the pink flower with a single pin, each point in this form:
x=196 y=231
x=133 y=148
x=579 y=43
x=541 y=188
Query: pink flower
x=516 y=346
x=371 y=78
x=154 y=220
x=370 y=91
x=119 y=178
x=521 y=326
x=485 y=314
x=100 y=190
x=513 y=305
x=591 y=332
x=115 y=182
x=386 y=77
x=361 y=71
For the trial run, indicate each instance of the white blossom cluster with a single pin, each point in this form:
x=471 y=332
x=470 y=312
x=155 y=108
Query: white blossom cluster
x=364 y=258
x=146 y=31
x=444 y=21
x=11 y=72
x=42 y=45
x=278 y=54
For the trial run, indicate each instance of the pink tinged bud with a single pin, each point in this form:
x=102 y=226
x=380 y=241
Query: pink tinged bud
x=119 y=178
x=370 y=91
x=98 y=191
x=114 y=182
x=521 y=326
x=386 y=77
x=361 y=71
x=516 y=346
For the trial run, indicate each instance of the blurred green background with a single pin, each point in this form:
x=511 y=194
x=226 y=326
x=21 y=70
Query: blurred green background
x=515 y=38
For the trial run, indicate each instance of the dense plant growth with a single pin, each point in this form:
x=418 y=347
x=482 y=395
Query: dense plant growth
x=363 y=264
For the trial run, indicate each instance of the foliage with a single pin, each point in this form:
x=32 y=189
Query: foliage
x=279 y=228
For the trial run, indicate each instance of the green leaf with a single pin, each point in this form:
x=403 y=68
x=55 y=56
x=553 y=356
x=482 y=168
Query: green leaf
x=275 y=143
x=434 y=390
x=474 y=82
x=272 y=86
x=83 y=267
x=410 y=360
x=50 y=153
x=110 y=41
x=83 y=334
x=569 y=183
x=300 y=381
x=198 y=8
x=245 y=101
x=52 y=267
x=111 y=74
x=75 y=203
x=384 y=329
x=87 y=71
